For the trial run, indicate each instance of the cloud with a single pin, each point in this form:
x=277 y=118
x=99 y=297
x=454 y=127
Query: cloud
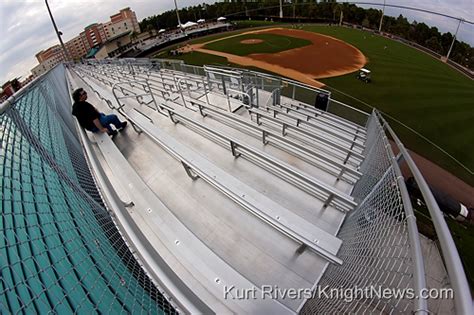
x=26 y=27
x=455 y=8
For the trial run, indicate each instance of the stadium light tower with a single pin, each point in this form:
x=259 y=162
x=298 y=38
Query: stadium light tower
x=381 y=18
x=177 y=13
x=58 y=33
x=454 y=39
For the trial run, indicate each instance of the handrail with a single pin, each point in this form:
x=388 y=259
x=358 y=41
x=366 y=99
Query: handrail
x=314 y=183
x=269 y=133
x=462 y=296
x=328 y=131
x=238 y=92
x=214 y=176
x=329 y=121
x=419 y=279
x=352 y=108
x=266 y=133
x=307 y=133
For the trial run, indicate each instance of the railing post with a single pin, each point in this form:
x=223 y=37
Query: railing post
x=205 y=91
x=264 y=135
x=328 y=201
x=223 y=85
x=233 y=147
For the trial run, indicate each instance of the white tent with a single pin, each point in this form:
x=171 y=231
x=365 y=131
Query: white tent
x=162 y=31
x=201 y=21
x=188 y=24
x=221 y=18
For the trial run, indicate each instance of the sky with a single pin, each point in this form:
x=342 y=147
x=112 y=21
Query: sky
x=26 y=29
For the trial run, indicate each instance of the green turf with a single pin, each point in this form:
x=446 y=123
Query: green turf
x=196 y=58
x=420 y=91
x=413 y=87
x=272 y=43
x=462 y=233
x=255 y=23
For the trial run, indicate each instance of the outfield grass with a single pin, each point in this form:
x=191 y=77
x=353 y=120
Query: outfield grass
x=420 y=91
x=272 y=43
x=413 y=87
x=463 y=236
x=196 y=58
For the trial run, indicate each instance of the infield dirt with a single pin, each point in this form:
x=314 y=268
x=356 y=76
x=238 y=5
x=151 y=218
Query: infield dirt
x=325 y=57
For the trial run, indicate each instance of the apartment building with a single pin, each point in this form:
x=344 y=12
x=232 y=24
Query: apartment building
x=76 y=47
x=48 y=59
x=120 y=23
x=94 y=35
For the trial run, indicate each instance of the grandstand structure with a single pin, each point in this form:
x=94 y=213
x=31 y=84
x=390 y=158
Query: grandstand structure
x=230 y=188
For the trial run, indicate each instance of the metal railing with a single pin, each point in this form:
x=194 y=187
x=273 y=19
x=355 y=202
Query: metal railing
x=380 y=238
x=462 y=298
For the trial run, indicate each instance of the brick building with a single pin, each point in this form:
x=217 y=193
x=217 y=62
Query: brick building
x=120 y=23
x=48 y=59
x=94 y=35
x=76 y=47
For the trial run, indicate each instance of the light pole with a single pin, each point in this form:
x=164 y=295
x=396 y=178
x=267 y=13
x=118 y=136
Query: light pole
x=381 y=18
x=58 y=33
x=281 y=9
x=177 y=14
x=454 y=39
x=294 y=8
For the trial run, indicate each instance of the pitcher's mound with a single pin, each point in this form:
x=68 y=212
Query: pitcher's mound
x=251 y=41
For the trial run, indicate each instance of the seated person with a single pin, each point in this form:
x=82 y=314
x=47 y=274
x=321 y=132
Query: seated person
x=90 y=118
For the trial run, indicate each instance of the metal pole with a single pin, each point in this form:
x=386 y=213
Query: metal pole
x=454 y=39
x=177 y=14
x=381 y=18
x=58 y=33
x=294 y=8
x=281 y=9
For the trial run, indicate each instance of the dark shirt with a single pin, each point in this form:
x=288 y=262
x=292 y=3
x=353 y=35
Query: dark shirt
x=85 y=114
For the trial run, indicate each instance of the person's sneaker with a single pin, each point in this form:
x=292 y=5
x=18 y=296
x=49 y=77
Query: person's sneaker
x=124 y=124
x=113 y=133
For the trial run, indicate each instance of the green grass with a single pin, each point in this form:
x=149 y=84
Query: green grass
x=463 y=236
x=196 y=58
x=255 y=23
x=272 y=43
x=413 y=87
x=420 y=91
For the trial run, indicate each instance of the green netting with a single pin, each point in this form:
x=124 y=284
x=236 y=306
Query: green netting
x=59 y=248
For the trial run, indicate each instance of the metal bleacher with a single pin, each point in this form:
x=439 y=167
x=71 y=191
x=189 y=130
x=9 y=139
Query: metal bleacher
x=227 y=186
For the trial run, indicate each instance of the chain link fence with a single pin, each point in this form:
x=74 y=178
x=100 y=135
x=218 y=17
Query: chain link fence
x=375 y=248
x=59 y=248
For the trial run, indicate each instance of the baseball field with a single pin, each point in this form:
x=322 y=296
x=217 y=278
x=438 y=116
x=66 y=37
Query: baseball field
x=414 y=88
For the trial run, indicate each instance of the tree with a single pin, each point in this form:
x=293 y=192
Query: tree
x=150 y=28
x=433 y=44
x=327 y=9
x=365 y=23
